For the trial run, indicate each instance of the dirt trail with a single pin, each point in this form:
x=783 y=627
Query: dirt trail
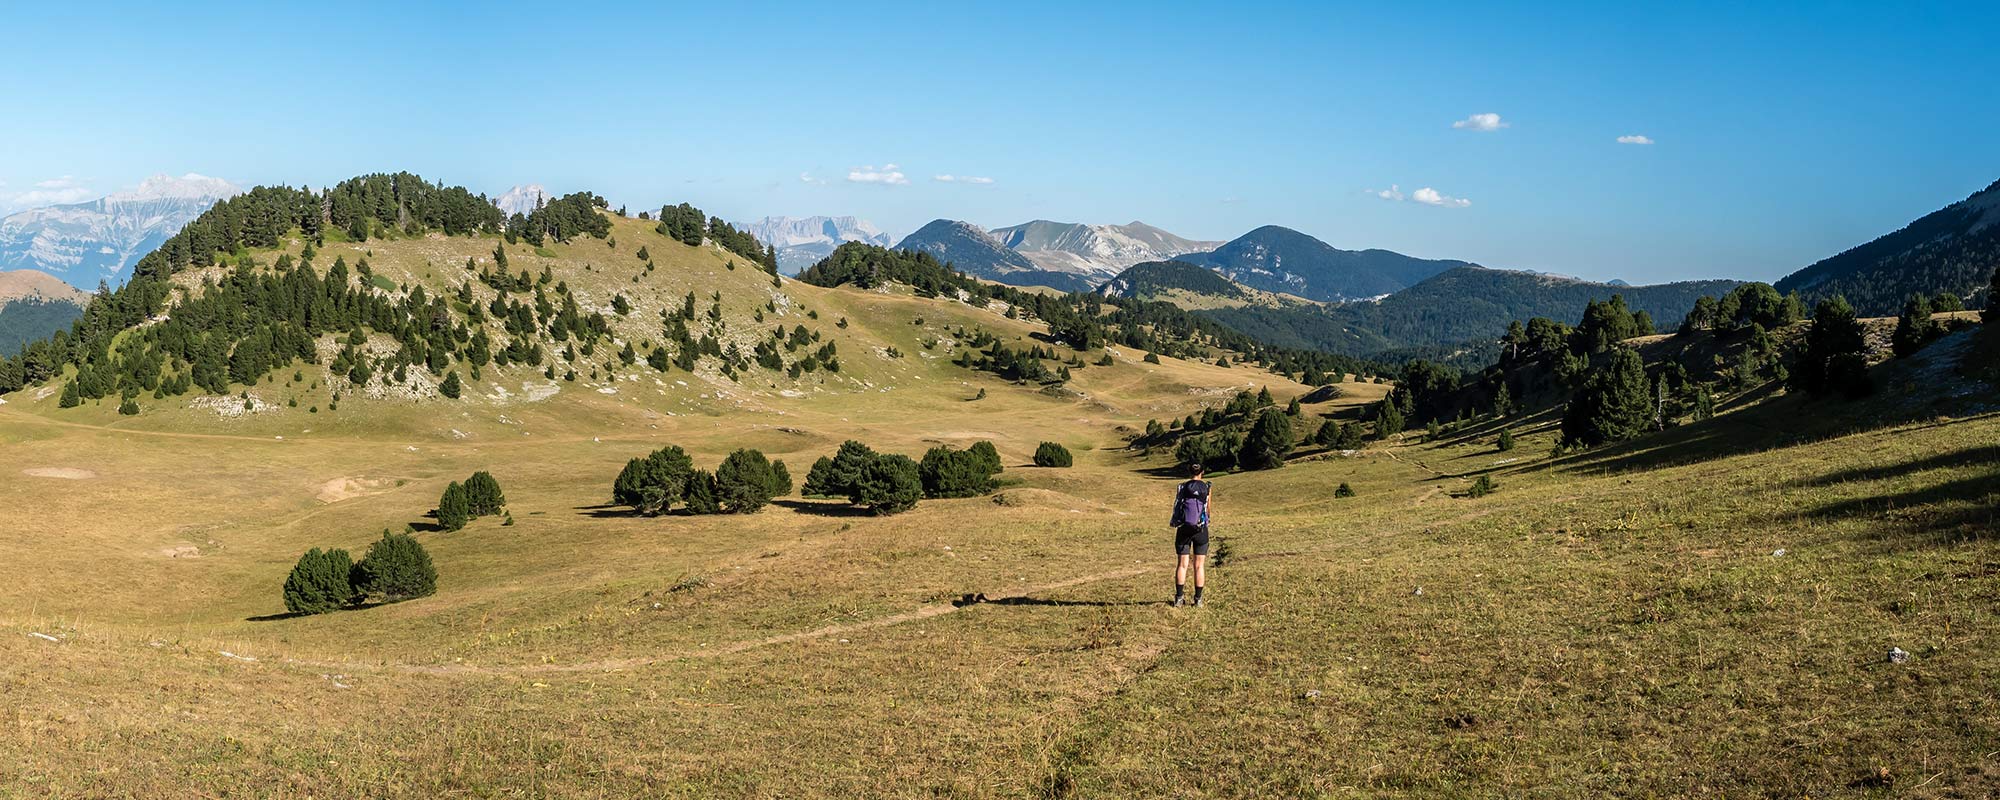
x=608 y=665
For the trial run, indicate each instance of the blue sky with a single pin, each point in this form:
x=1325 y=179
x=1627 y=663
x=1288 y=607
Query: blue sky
x=1780 y=134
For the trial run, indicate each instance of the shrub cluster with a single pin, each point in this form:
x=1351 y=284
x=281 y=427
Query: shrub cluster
x=462 y=503
x=395 y=568
x=1050 y=454
x=745 y=482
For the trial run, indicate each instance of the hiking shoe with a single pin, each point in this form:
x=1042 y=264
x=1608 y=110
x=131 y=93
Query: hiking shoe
x=1178 y=601
x=1197 y=601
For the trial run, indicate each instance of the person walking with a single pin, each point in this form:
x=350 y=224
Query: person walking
x=1190 y=524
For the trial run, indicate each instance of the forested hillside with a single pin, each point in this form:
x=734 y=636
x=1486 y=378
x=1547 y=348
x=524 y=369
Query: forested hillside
x=1466 y=304
x=1080 y=320
x=1950 y=251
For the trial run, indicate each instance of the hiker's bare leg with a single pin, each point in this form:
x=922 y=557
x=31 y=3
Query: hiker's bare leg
x=1200 y=570
x=1180 y=570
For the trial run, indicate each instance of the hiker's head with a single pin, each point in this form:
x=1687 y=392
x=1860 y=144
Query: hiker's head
x=1196 y=469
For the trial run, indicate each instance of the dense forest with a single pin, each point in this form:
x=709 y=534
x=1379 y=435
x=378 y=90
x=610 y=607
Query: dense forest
x=1950 y=251
x=1467 y=304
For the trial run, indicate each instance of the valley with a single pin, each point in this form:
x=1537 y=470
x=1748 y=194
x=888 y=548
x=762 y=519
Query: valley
x=1683 y=612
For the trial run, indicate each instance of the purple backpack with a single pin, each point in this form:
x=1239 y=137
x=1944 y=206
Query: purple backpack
x=1191 y=508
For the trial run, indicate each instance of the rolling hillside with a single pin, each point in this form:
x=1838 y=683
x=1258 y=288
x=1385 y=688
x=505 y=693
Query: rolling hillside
x=33 y=305
x=1954 y=249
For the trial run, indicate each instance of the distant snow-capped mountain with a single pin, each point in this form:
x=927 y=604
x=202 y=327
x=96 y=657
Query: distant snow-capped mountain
x=803 y=241
x=1099 y=251
x=83 y=243
x=522 y=199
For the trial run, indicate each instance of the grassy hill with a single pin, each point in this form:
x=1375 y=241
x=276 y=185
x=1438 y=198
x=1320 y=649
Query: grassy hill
x=33 y=305
x=1704 y=611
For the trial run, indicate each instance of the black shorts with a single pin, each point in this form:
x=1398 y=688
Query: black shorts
x=1191 y=539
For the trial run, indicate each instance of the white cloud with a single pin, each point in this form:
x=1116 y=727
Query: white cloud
x=807 y=177
x=887 y=175
x=1635 y=139
x=1488 y=121
x=950 y=178
x=1427 y=195
x=1431 y=197
x=52 y=192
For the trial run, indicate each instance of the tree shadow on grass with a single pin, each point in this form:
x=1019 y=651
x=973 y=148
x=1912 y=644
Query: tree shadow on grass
x=295 y=614
x=607 y=511
x=1971 y=456
x=824 y=509
x=1976 y=514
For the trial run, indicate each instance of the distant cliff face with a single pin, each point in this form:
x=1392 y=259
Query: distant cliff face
x=84 y=243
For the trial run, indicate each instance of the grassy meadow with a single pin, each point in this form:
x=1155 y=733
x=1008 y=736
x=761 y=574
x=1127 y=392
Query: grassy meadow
x=1707 y=612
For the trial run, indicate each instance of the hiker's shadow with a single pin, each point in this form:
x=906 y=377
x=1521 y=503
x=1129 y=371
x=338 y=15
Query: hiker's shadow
x=1053 y=602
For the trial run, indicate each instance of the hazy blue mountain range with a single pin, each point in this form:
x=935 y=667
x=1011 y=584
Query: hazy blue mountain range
x=84 y=243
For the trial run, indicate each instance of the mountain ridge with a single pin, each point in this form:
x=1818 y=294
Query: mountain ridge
x=1953 y=249
x=100 y=240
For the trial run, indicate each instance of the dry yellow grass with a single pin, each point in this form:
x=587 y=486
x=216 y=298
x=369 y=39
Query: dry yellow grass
x=1611 y=624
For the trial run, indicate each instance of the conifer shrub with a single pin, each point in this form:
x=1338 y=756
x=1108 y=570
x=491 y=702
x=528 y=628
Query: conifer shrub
x=1051 y=454
x=453 y=511
x=701 y=493
x=1506 y=440
x=1270 y=438
x=948 y=472
x=321 y=581
x=396 y=568
x=482 y=494
x=1481 y=487
x=747 y=481
x=655 y=483
x=1343 y=490
x=890 y=484
x=451 y=388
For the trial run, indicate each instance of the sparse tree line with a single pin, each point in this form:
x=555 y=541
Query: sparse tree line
x=1248 y=433
x=1083 y=321
x=1609 y=394
x=687 y=224
x=883 y=483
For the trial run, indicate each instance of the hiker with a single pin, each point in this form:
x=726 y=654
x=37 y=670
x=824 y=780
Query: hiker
x=1190 y=523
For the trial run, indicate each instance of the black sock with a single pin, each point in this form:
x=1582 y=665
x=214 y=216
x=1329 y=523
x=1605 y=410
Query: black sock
x=1180 y=589
x=1197 y=592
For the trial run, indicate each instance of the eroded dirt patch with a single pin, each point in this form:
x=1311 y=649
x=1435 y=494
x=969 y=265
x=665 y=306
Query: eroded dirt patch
x=339 y=489
x=65 y=473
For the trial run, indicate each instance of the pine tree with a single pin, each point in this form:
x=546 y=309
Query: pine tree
x=452 y=510
x=989 y=457
x=890 y=484
x=451 y=387
x=321 y=581
x=701 y=491
x=1051 y=454
x=1834 y=356
x=655 y=483
x=1506 y=441
x=838 y=476
x=1914 y=328
x=397 y=568
x=746 y=482
x=1615 y=403
x=947 y=472
x=1992 y=313
x=1388 y=420
x=1270 y=438
x=482 y=494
